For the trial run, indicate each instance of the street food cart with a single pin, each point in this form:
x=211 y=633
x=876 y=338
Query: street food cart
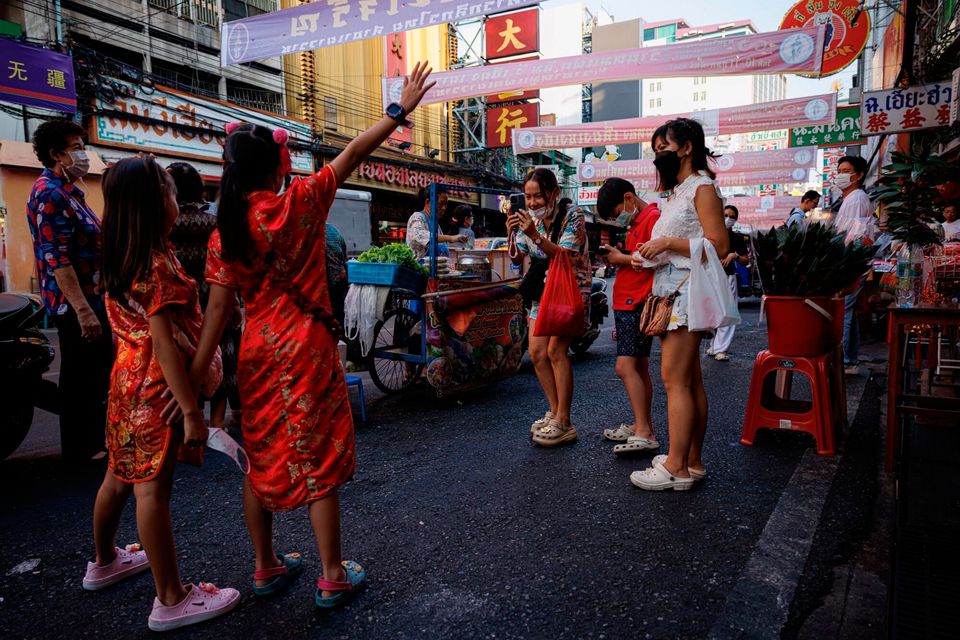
x=452 y=329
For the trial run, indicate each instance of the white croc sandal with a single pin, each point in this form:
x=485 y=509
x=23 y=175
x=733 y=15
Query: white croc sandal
x=636 y=444
x=657 y=478
x=542 y=422
x=696 y=475
x=620 y=434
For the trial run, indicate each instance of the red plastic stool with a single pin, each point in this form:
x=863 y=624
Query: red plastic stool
x=766 y=409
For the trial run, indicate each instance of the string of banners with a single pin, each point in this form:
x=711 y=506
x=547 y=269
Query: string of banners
x=733 y=169
x=326 y=24
x=765 y=116
x=788 y=51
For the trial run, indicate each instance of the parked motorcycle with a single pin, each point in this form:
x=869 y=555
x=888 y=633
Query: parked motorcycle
x=599 y=309
x=25 y=355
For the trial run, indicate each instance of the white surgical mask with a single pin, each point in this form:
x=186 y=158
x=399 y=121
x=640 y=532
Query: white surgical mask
x=842 y=181
x=730 y=222
x=625 y=217
x=80 y=166
x=219 y=440
x=538 y=214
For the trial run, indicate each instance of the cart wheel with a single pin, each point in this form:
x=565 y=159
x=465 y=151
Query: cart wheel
x=395 y=333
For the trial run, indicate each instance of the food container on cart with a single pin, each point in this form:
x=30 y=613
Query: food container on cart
x=476 y=264
x=385 y=274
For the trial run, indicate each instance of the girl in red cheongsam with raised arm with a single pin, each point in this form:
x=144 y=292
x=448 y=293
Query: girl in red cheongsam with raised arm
x=297 y=426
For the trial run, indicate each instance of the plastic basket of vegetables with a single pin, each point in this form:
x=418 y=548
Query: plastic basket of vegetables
x=392 y=265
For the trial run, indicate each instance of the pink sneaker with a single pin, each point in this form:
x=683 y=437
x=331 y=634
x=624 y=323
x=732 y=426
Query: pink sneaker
x=203 y=602
x=129 y=561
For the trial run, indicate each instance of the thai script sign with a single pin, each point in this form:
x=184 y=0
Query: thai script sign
x=512 y=34
x=845 y=130
x=514 y=96
x=790 y=51
x=848 y=28
x=170 y=122
x=326 y=23
x=413 y=179
x=910 y=109
x=36 y=77
x=587 y=195
x=502 y=120
x=763 y=204
x=955 y=103
x=809 y=111
x=791 y=164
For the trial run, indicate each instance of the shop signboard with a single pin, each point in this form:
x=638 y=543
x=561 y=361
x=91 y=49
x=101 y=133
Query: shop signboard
x=395 y=64
x=848 y=28
x=764 y=116
x=407 y=178
x=502 y=120
x=955 y=103
x=844 y=131
x=514 y=96
x=511 y=34
x=907 y=109
x=36 y=77
x=170 y=122
x=587 y=195
x=316 y=25
x=789 y=51
x=829 y=169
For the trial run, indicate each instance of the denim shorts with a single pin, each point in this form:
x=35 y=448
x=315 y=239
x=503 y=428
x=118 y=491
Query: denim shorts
x=665 y=281
x=630 y=342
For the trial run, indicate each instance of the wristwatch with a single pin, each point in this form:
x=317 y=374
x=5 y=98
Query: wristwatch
x=396 y=111
x=538 y=240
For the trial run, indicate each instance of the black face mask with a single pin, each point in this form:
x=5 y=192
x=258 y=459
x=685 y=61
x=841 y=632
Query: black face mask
x=668 y=165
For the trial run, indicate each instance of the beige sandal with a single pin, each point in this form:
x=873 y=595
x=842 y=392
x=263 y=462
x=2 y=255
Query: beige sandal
x=542 y=422
x=554 y=434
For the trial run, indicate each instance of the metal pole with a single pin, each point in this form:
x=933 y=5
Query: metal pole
x=433 y=230
x=59 y=19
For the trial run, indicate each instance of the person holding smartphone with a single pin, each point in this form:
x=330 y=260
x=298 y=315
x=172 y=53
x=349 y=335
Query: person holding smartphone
x=543 y=229
x=617 y=200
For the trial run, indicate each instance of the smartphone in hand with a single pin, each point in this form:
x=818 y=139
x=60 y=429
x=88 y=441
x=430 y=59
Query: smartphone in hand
x=517 y=202
x=602 y=251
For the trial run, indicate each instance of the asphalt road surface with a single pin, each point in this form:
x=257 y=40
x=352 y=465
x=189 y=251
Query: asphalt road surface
x=466 y=529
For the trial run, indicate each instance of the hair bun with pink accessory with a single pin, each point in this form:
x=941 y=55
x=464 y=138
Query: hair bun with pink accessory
x=280 y=136
x=230 y=127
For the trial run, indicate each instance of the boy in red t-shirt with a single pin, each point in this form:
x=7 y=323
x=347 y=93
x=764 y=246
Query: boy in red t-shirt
x=617 y=199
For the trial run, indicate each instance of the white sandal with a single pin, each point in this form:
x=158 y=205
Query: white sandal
x=620 y=434
x=554 y=434
x=635 y=444
x=657 y=478
x=696 y=475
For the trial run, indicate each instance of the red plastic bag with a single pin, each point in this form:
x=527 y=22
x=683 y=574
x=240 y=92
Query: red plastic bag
x=561 y=306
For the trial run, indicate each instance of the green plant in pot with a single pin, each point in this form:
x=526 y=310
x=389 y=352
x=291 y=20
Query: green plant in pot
x=801 y=268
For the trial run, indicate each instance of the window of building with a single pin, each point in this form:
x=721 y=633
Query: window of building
x=659 y=86
x=652 y=85
x=248 y=95
x=703 y=96
x=658 y=102
x=236 y=9
x=696 y=81
x=652 y=103
x=330 y=113
x=696 y=96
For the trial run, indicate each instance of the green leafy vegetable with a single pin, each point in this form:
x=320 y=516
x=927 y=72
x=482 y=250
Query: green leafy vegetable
x=395 y=253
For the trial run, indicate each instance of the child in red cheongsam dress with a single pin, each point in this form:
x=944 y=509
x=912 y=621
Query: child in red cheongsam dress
x=153 y=309
x=297 y=426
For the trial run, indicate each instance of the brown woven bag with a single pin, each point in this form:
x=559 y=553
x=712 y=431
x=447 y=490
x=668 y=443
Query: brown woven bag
x=657 y=311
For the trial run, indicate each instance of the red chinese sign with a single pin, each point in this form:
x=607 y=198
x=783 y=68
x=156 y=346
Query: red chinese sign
x=511 y=34
x=501 y=121
x=845 y=38
x=514 y=96
x=909 y=109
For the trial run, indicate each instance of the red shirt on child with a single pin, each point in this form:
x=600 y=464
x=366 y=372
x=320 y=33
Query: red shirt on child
x=631 y=288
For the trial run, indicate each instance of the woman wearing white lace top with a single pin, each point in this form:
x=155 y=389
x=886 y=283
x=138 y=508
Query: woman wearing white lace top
x=694 y=209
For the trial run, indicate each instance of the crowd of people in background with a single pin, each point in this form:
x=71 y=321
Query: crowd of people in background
x=166 y=305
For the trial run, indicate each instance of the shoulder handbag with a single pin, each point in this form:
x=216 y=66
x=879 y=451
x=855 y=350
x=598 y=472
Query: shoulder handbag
x=657 y=311
x=531 y=287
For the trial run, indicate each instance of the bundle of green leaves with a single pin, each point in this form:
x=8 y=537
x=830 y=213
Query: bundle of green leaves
x=907 y=189
x=808 y=260
x=395 y=253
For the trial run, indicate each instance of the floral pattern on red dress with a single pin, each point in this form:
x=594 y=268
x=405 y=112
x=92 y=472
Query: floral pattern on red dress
x=297 y=425
x=137 y=438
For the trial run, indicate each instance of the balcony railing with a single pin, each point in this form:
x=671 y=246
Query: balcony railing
x=199 y=11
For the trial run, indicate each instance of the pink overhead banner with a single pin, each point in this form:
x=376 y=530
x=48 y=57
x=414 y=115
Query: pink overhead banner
x=790 y=165
x=788 y=51
x=760 y=206
x=810 y=111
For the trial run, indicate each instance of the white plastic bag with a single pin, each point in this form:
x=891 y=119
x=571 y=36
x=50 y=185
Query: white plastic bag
x=711 y=304
x=360 y=314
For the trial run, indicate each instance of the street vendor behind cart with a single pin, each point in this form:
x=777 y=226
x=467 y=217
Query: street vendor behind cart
x=418 y=226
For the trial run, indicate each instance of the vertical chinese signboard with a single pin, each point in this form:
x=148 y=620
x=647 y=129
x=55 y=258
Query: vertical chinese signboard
x=845 y=131
x=908 y=109
x=512 y=34
x=395 y=64
x=36 y=77
x=503 y=119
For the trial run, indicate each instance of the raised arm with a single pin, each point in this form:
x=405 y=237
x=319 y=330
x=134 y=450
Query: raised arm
x=415 y=86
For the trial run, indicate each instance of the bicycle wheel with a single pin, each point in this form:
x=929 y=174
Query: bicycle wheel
x=395 y=334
